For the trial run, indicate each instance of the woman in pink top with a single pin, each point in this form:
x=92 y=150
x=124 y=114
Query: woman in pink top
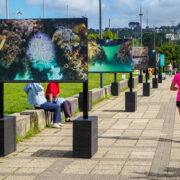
x=175 y=81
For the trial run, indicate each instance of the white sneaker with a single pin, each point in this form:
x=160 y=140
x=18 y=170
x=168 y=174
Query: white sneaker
x=56 y=125
x=60 y=124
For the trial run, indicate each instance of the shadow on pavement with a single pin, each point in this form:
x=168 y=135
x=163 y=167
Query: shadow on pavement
x=52 y=154
x=139 y=138
x=140 y=95
x=114 y=111
x=167 y=173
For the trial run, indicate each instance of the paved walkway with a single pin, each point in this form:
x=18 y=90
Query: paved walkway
x=140 y=145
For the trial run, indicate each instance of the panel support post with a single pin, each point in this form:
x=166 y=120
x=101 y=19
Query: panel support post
x=85 y=131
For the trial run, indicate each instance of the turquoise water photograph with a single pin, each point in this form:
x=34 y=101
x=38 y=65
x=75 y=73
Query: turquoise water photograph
x=109 y=56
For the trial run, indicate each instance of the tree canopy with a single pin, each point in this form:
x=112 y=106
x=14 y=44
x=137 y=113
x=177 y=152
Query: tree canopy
x=106 y=35
x=172 y=53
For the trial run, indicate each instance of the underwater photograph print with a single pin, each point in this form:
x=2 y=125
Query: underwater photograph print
x=140 y=58
x=44 y=49
x=112 y=55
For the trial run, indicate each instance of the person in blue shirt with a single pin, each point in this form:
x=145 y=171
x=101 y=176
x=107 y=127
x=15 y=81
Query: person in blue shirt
x=36 y=98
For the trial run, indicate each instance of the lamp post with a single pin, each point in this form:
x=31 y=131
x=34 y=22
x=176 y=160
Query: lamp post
x=141 y=15
x=19 y=13
x=43 y=8
x=100 y=33
x=7 y=10
x=67 y=10
x=155 y=80
x=154 y=39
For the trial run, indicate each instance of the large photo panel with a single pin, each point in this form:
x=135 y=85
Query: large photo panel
x=109 y=56
x=140 y=58
x=44 y=50
x=152 y=59
x=162 y=60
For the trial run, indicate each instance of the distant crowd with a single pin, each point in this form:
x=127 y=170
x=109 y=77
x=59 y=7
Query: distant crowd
x=172 y=68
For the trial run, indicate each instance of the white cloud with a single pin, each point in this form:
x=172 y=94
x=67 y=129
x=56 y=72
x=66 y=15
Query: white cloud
x=161 y=12
x=121 y=12
x=76 y=8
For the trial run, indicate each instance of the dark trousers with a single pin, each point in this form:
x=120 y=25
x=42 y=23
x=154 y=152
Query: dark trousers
x=53 y=108
x=66 y=106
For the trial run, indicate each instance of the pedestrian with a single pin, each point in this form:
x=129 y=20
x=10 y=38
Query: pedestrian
x=150 y=71
x=51 y=95
x=176 y=81
x=175 y=67
x=170 y=68
x=36 y=98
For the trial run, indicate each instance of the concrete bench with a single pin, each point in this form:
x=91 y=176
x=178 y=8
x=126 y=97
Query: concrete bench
x=38 y=118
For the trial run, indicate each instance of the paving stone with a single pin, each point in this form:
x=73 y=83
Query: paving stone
x=2 y=177
x=20 y=178
x=29 y=171
x=137 y=145
x=106 y=171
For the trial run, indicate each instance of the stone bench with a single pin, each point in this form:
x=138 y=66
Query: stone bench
x=22 y=124
x=38 y=118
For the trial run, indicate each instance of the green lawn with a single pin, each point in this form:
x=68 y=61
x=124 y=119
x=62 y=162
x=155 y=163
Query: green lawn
x=15 y=99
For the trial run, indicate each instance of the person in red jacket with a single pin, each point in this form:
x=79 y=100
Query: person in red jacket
x=52 y=92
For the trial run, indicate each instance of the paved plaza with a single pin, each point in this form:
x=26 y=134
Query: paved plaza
x=140 y=145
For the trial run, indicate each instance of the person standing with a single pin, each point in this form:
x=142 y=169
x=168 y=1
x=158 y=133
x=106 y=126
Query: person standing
x=36 y=98
x=176 y=81
x=170 y=68
x=175 y=67
x=51 y=95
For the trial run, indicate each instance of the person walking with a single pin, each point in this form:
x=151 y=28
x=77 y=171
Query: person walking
x=51 y=95
x=170 y=68
x=36 y=98
x=176 y=81
x=175 y=67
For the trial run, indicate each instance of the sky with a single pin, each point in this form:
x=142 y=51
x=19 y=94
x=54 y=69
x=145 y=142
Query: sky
x=120 y=12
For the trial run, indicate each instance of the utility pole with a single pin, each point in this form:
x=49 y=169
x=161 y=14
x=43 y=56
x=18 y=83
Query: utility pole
x=67 y=10
x=43 y=8
x=109 y=23
x=141 y=15
x=154 y=39
x=100 y=19
x=147 y=19
x=7 y=10
x=19 y=13
x=101 y=37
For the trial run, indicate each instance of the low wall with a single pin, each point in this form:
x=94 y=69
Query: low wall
x=38 y=118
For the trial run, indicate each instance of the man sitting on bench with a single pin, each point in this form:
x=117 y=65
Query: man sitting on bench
x=36 y=97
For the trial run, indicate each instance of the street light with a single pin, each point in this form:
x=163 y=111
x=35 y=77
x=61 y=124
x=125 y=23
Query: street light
x=100 y=33
x=154 y=39
x=67 y=10
x=141 y=15
x=7 y=10
x=19 y=13
x=100 y=19
x=43 y=8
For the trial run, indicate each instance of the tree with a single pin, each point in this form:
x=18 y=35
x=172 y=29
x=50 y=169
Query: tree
x=148 y=39
x=171 y=51
x=109 y=35
x=106 y=35
x=93 y=36
x=134 y=25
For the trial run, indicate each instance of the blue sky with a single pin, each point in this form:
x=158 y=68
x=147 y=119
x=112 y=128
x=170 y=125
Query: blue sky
x=121 y=12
